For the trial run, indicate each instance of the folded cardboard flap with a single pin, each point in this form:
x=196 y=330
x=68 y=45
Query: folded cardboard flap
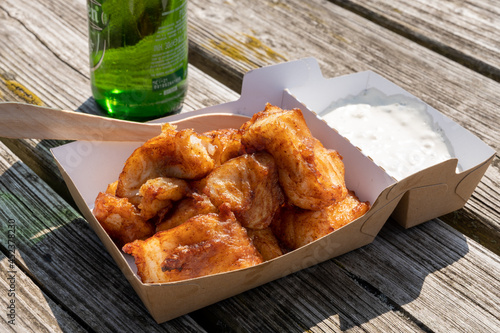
x=440 y=191
x=87 y=168
x=419 y=205
x=379 y=212
x=443 y=172
x=468 y=183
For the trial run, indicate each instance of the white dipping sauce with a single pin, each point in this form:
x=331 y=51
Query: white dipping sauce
x=395 y=131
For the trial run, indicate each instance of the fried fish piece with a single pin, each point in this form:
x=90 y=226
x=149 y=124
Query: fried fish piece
x=249 y=184
x=265 y=242
x=226 y=143
x=179 y=154
x=203 y=245
x=296 y=227
x=157 y=194
x=121 y=219
x=195 y=204
x=311 y=176
x=111 y=188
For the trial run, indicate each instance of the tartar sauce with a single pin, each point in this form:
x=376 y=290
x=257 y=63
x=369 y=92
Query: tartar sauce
x=396 y=132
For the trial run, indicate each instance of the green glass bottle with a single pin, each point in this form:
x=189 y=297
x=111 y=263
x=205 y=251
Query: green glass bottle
x=138 y=56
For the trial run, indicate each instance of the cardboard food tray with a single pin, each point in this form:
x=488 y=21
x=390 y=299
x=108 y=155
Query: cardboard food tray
x=88 y=167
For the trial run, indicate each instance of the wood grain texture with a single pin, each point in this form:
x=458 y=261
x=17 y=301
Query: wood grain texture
x=59 y=251
x=441 y=277
x=358 y=296
x=323 y=298
x=38 y=62
x=29 y=309
x=466 y=31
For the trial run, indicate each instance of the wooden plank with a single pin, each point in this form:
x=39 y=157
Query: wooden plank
x=323 y=298
x=25 y=307
x=441 y=280
x=465 y=31
x=345 y=44
x=29 y=49
x=58 y=40
x=44 y=61
x=57 y=248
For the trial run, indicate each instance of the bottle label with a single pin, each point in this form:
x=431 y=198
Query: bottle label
x=166 y=82
x=170 y=48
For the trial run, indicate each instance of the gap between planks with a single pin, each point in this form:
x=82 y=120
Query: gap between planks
x=441 y=48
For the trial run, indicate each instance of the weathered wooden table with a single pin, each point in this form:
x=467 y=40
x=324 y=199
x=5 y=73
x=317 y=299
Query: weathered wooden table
x=441 y=276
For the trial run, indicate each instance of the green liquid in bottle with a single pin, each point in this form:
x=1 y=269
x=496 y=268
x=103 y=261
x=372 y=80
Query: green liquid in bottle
x=138 y=56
